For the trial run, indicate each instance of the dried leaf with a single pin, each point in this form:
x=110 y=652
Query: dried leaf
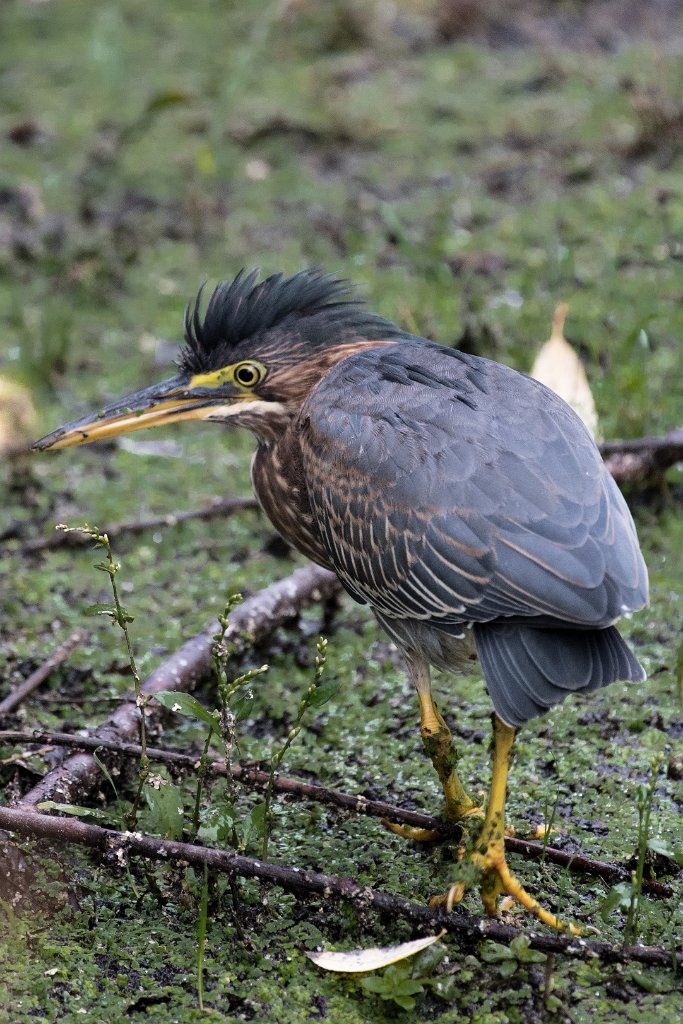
x=356 y=960
x=17 y=417
x=559 y=368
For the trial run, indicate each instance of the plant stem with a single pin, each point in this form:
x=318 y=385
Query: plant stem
x=202 y=770
x=644 y=801
x=121 y=617
x=276 y=758
x=203 y=915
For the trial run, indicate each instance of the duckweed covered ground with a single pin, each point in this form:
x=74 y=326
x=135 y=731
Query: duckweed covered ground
x=469 y=169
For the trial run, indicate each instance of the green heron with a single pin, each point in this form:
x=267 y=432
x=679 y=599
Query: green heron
x=464 y=502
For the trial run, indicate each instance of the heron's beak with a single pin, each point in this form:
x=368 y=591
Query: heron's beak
x=172 y=401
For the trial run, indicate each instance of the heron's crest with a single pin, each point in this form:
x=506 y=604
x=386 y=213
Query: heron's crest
x=306 y=311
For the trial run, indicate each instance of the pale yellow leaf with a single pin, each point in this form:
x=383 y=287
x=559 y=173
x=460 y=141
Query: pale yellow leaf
x=17 y=417
x=559 y=368
x=356 y=960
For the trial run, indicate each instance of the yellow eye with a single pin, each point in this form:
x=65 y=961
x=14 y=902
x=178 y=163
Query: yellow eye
x=244 y=375
x=248 y=375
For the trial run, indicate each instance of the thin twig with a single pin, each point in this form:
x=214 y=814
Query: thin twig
x=258 y=779
x=217 y=508
x=58 y=657
x=305 y=883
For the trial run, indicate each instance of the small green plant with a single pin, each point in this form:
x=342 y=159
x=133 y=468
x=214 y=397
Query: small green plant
x=396 y=984
x=510 y=958
x=678 y=674
x=627 y=895
x=315 y=696
x=220 y=822
x=203 y=918
x=120 y=617
x=549 y=816
x=402 y=981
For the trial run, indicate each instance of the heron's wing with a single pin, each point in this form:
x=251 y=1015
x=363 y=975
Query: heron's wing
x=450 y=488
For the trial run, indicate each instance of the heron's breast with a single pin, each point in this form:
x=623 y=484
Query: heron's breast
x=279 y=485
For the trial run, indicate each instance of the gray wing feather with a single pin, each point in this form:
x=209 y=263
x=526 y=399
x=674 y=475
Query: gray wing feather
x=460 y=490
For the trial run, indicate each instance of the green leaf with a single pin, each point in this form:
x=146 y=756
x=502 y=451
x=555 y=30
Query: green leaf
x=446 y=988
x=322 y=694
x=257 y=819
x=168 y=98
x=495 y=953
x=187 y=705
x=75 y=810
x=375 y=984
x=618 y=898
x=428 y=960
x=521 y=949
x=644 y=981
x=101 y=609
x=165 y=815
x=665 y=849
x=405 y=1002
x=217 y=825
x=407 y=987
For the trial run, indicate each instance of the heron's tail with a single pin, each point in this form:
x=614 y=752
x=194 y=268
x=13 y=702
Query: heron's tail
x=528 y=670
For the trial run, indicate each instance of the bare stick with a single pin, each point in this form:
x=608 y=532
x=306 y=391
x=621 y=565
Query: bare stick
x=58 y=657
x=252 y=622
x=644 y=457
x=305 y=883
x=258 y=779
x=216 y=508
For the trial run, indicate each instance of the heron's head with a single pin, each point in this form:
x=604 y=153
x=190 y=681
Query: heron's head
x=250 y=359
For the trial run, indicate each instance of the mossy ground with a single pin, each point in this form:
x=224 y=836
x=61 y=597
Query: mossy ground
x=467 y=189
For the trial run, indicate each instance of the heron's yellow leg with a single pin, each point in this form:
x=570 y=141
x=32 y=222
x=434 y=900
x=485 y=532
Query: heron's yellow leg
x=438 y=742
x=488 y=854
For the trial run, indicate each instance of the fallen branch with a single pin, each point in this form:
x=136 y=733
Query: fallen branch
x=217 y=508
x=257 y=779
x=643 y=457
x=305 y=883
x=14 y=699
x=250 y=623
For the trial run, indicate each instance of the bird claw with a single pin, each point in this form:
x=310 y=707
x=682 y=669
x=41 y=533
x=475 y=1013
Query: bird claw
x=496 y=879
x=447 y=901
x=412 y=832
x=429 y=835
x=542 y=831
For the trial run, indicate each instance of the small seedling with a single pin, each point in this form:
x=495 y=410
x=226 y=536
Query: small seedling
x=315 y=696
x=511 y=958
x=120 y=617
x=627 y=895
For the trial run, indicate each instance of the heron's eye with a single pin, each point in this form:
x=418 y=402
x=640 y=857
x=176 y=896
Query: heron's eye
x=248 y=375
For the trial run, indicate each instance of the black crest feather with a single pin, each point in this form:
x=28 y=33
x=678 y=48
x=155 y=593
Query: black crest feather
x=315 y=306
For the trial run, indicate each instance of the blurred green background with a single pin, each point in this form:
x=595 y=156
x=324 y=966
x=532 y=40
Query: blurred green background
x=468 y=165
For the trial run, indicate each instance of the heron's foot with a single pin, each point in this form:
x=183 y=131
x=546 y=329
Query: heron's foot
x=429 y=835
x=454 y=814
x=536 y=832
x=487 y=867
x=413 y=832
